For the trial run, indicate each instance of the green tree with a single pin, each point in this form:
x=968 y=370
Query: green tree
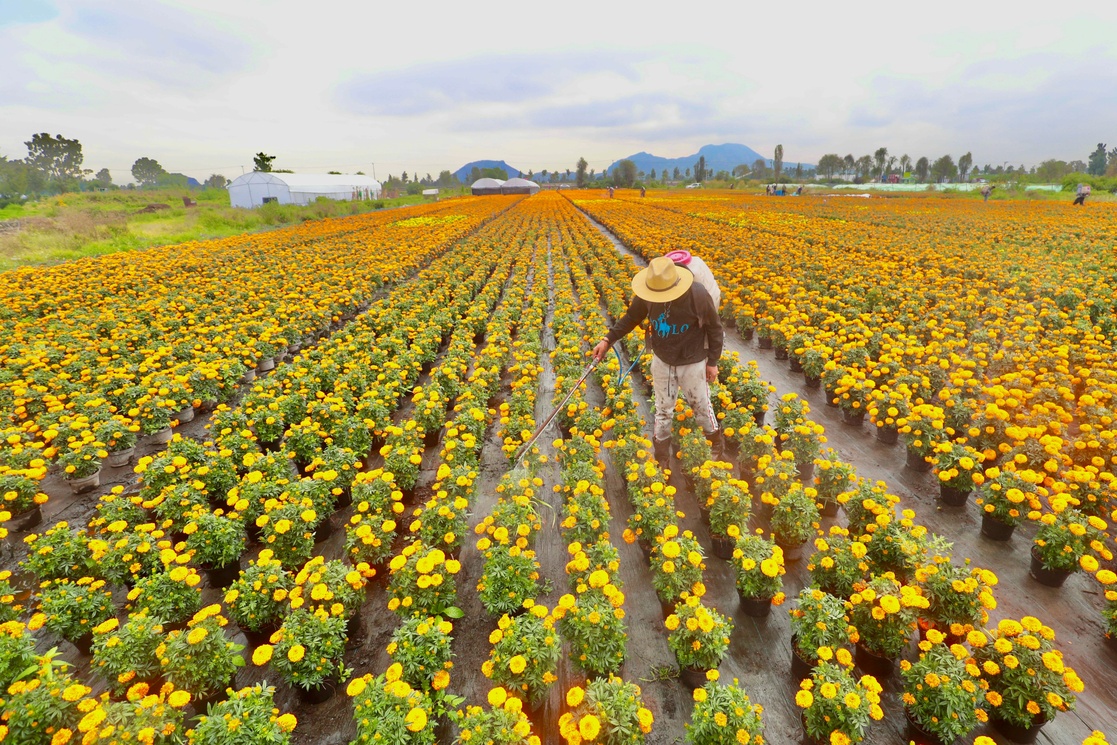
x=262 y=162
x=964 y=164
x=103 y=178
x=445 y=180
x=849 y=163
x=58 y=158
x=1111 y=169
x=676 y=174
x=905 y=163
x=147 y=171
x=1096 y=165
x=943 y=169
x=759 y=170
x=777 y=162
x=700 y=174
x=922 y=169
x=828 y=165
x=1052 y=171
x=863 y=167
x=580 y=172
x=740 y=171
x=625 y=173
x=216 y=181
x=880 y=157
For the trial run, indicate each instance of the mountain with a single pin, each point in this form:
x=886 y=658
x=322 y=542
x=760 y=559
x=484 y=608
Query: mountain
x=462 y=174
x=718 y=158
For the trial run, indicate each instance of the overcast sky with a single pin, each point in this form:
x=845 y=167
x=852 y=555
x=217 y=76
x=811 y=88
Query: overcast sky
x=428 y=85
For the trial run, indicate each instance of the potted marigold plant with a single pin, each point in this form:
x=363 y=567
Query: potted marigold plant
x=10 y=609
x=883 y=611
x=171 y=596
x=759 y=564
x=422 y=648
x=1006 y=498
x=308 y=653
x=525 y=654
x=61 y=552
x=833 y=703
x=607 y=710
x=832 y=477
x=956 y=467
x=386 y=708
x=1028 y=682
x=502 y=724
x=724 y=715
x=1065 y=541
x=959 y=597
x=216 y=540
x=145 y=715
x=421 y=582
x=258 y=599
x=72 y=608
x=119 y=436
x=1107 y=578
x=595 y=630
x=199 y=658
x=795 y=520
x=260 y=720
x=287 y=528
x=921 y=430
x=42 y=702
x=838 y=562
x=510 y=576
x=818 y=622
x=887 y=406
x=124 y=655
x=81 y=465
x=330 y=585
x=699 y=637
x=943 y=690
x=676 y=564
x=728 y=508
x=21 y=498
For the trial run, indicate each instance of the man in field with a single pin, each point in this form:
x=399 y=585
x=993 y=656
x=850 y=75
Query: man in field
x=686 y=340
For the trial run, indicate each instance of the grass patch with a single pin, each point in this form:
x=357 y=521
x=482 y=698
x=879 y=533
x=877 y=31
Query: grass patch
x=73 y=226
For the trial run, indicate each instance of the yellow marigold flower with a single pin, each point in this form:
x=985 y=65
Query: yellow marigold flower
x=296 y=653
x=574 y=696
x=262 y=654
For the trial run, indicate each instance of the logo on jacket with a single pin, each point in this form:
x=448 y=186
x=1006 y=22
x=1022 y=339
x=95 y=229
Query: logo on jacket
x=664 y=329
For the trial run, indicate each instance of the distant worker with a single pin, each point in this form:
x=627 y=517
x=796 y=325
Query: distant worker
x=686 y=340
x=986 y=191
x=643 y=191
x=1083 y=192
x=799 y=191
x=610 y=192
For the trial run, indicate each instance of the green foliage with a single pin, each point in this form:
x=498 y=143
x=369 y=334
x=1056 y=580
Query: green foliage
x=72 y=609
x=254 y=708
x=422 y=648
x=200 y=659
x=739 y=721
x=124 y=655
x=310 y=648
x=818 y=620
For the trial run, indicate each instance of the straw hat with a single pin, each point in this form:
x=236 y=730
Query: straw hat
x=661 y=281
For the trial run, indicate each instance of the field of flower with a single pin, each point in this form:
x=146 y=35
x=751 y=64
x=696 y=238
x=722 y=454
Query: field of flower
x=273 y=488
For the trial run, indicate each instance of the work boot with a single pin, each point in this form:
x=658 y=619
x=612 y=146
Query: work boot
x=662 y=451
x=717 y=445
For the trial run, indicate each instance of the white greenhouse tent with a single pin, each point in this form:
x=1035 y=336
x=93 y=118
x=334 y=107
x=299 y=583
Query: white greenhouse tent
x=484 y=186
x=257 y=188
x=519 y=186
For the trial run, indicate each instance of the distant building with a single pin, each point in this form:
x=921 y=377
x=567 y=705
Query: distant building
x=257 y=188
x=519 y=186
x=486 y=187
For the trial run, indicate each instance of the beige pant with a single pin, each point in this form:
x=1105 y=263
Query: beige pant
x=690 y=380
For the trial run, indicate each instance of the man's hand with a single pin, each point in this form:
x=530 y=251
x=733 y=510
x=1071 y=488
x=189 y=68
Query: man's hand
x=711 y=373
x=601 y=350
